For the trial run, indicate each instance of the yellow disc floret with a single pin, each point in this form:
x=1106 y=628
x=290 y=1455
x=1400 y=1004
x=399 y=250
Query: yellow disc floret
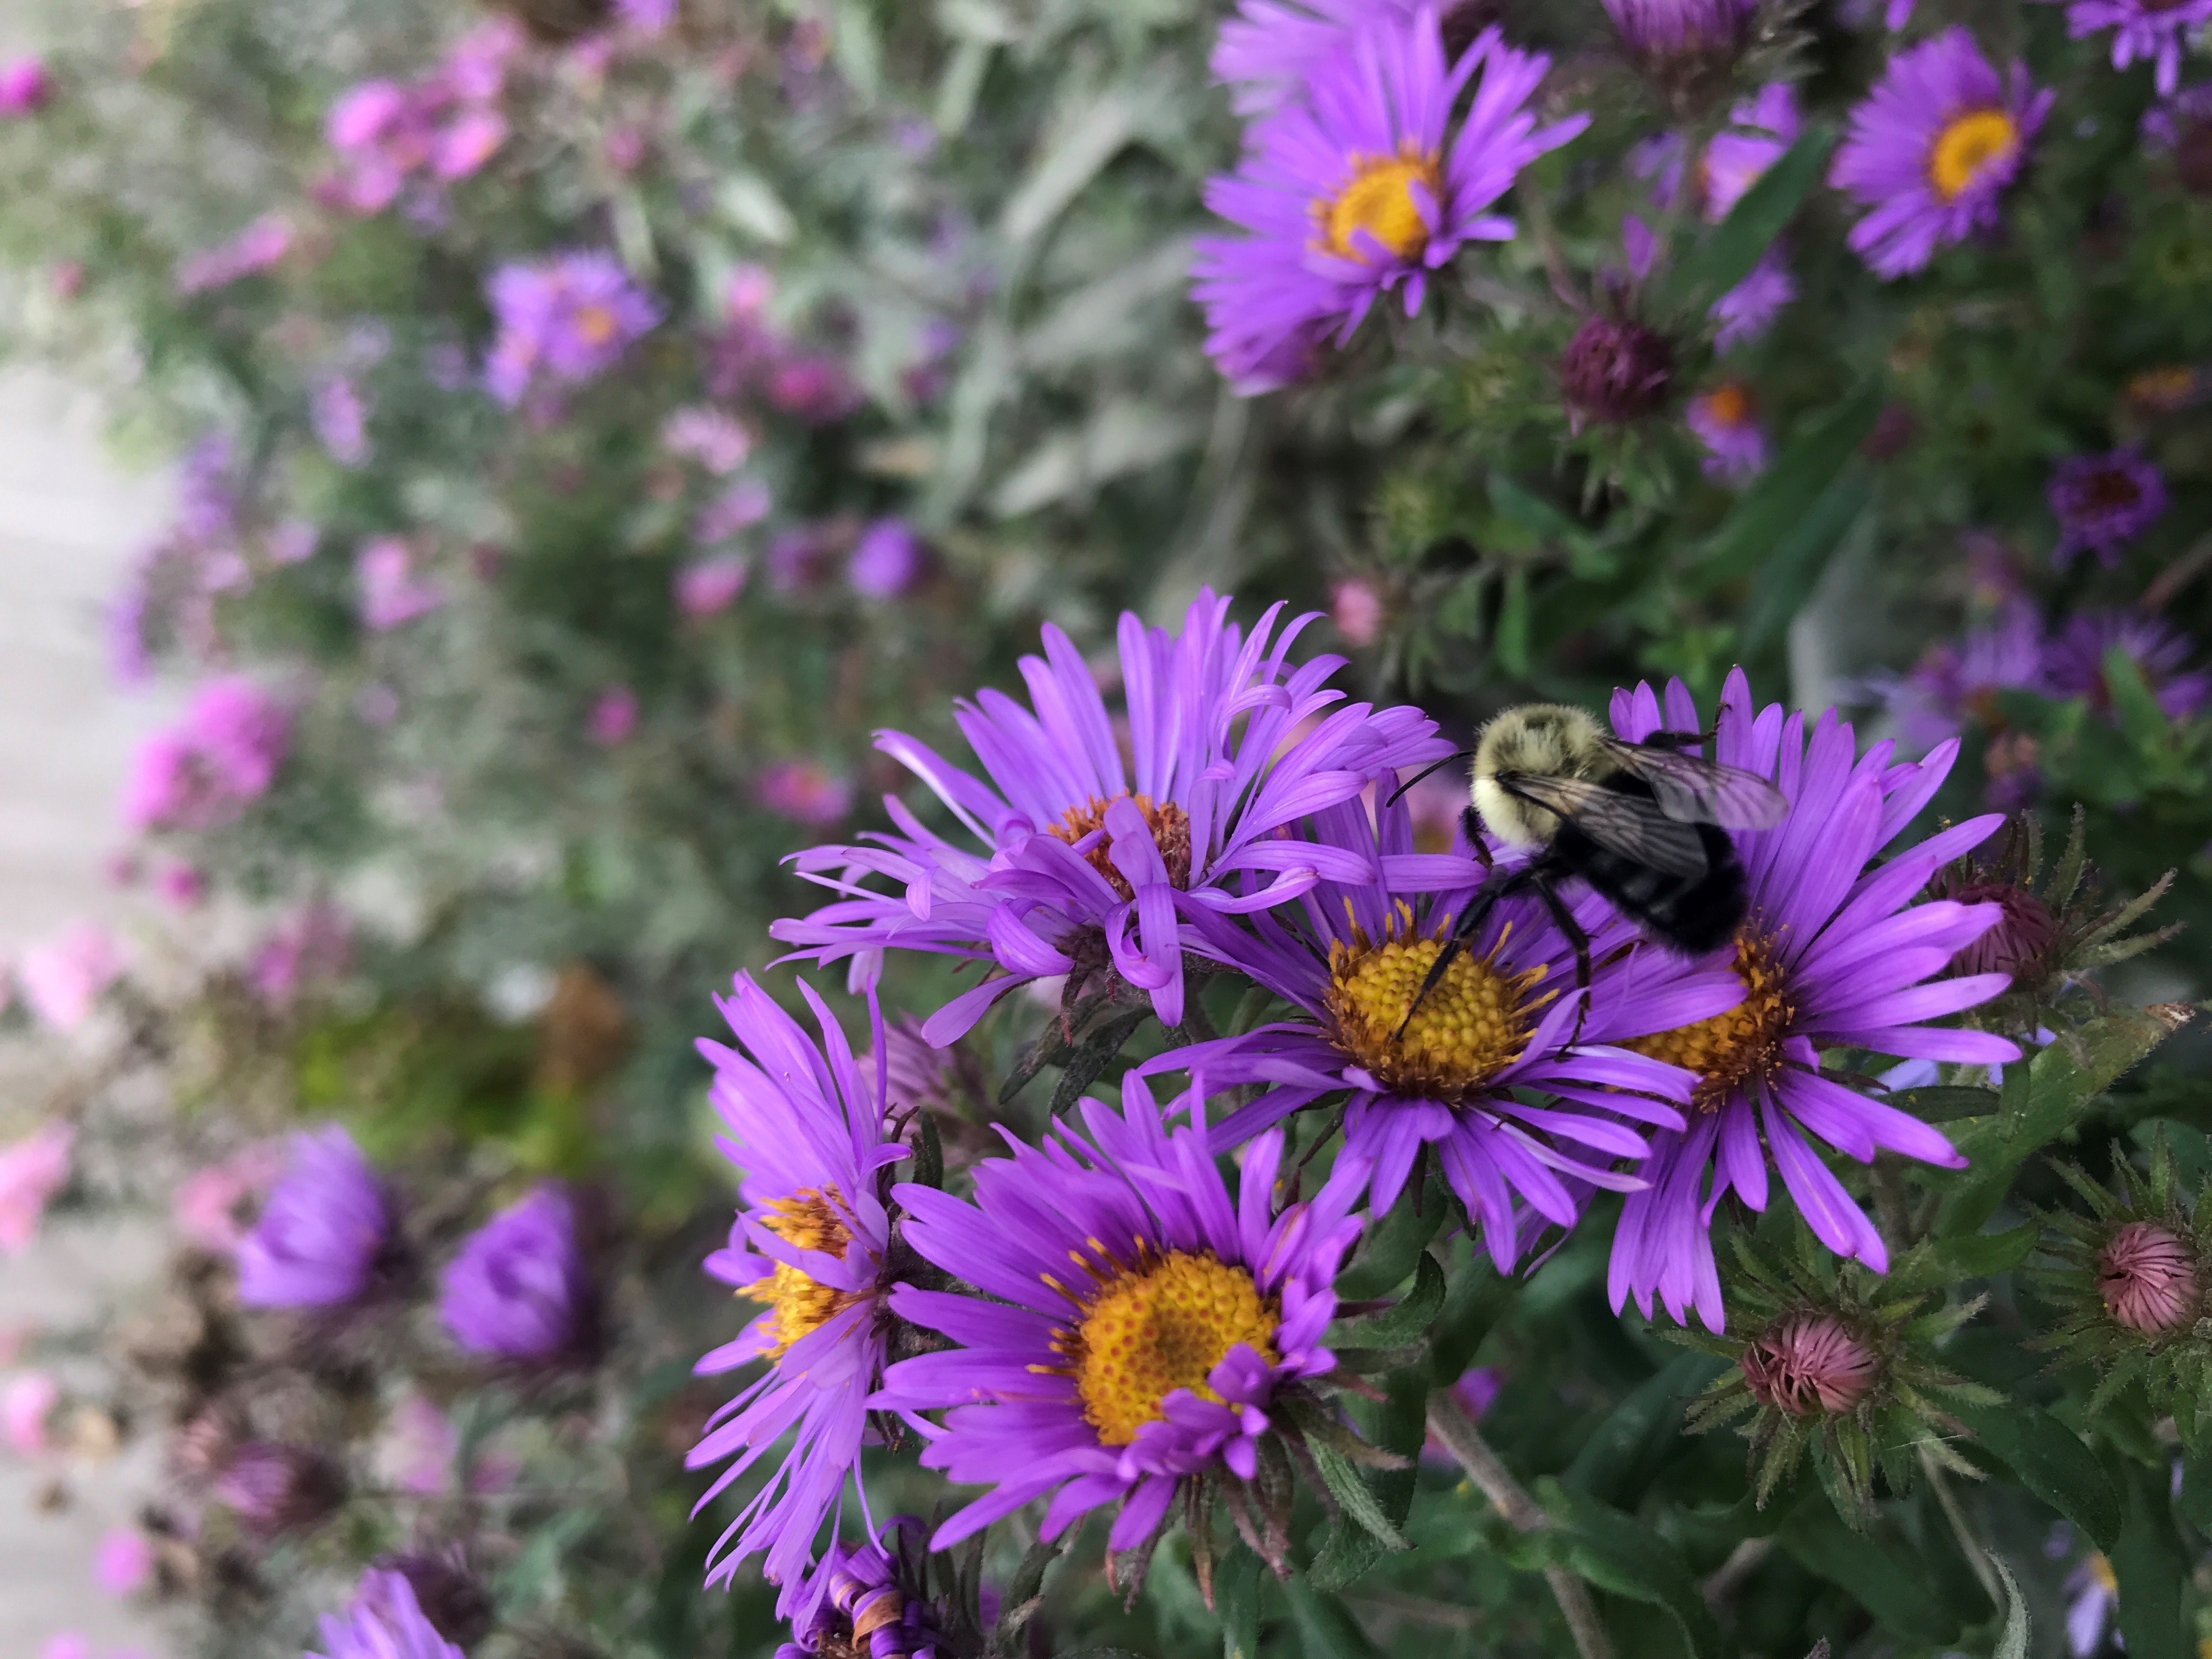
x=1968 y=146
x=1169 y=822
x=595 y=325
x=1474 y=1022
x=1380 y=201
x=1163 y=1327
x=809 y=1221
x=1730 y=1049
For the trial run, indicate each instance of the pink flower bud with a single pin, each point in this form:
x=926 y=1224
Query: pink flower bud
x=1808 y=1364
x=2147 y=1276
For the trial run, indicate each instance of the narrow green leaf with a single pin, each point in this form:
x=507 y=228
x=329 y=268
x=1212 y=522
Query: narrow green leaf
x=1236 y=1596
x=2012 y=1640
x=1478 y=1298
x=1093 y=1056
x=1726 y=256
x=1971 y=1256
x=1888 y=1582
x=1942 y=1103
x=1353 y=1494
x=1512 y=641
x=1394 y=1248
x=1797 y=562
x=2050 y=1462
x=2140 y=716
x=1326 y=1629
x=1622 y=1555
x=2152 y=1570
x=1410 y=1317
x=1620 y=1456
x=1774 y=504
x=1403 y=1425
x=928 y=1150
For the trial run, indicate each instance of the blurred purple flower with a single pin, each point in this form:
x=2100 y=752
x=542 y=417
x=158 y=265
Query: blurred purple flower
x=391 y=593
x=805 y=792
x=384 y=1621
x=799 y=558
x=2155 y=30
x=1933 y=148
x=1267 y=53
x=63 y=979
x=294 y=542
x=2075 y=660
x=2104 y=501
x=1749 y=310
x=647 y=17
x=888 y=559
x=256 y=247
x=26 y=1405
x=1726 y=423
x=274 y=1489
x=222 y=752
x=733 y=511
x=123 y=1562
x=209 y=1206
x=1356 y=607
x=613 y=716
x=1656 y=30
x=714 y=438
x=520 y=1288
x=463 y=147
x=570 y=316
x=1954 y=682
x=31 y=1171
x=707 y=585
x=324 y=1232
x=315 y=942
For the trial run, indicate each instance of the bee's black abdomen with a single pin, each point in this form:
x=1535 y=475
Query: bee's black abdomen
x=1691 y=913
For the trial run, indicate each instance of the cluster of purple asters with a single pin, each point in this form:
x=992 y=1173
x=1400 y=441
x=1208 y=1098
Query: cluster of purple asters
x=221 y=755
x=566 y=319
x=1111 y=1320
x=389 y=135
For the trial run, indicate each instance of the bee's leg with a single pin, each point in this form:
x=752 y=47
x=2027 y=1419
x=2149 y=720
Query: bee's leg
x=1464 y=754
x=1470 y=825
x=1563 y=918
x=1470 y=921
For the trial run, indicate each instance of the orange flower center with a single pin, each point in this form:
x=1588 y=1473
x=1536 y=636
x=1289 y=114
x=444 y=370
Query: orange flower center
x=1380 y=201
x=1728 y=1050
x=1969 y=145
x=808 y=1221
x=1171 y=828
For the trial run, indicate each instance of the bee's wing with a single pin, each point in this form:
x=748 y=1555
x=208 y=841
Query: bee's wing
x=1696 y=791
x=1630 y=825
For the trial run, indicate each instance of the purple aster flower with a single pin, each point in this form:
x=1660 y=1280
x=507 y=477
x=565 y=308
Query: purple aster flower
x=2152 y=29
x=224 y=753
x=384 y=1622
x=1932 y=149
x=875 y=1607
x=274 y=1489
x=1683 y=45
x=340 y=416
x=1954 y=682
x=326 y=1233
x=1832 y=954
x=1268 y=51
x=1502 y=1019
x=1761 y=131
x=520 y=1288
x=1362 y=187
x=1145 y=1317
x=808 y=1242
x=390 y=592
x=2076 y=660
x=2102 y=503
x=2093 y=1591
x=1089 y=868
x=570 y=316
x=1747 y=311
x=1726 y=422
x=888 y=559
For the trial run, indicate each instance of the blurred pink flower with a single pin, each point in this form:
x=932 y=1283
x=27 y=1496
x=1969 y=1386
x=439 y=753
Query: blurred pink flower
x=391 y=592
x=209 y=1205
x=25 y=1403
x=294 y=542
x=472 y=140
x=25 y=86
x=180 y=885
x=123 y=1562
x=647 y=16
x=67 y=1644
x=222 y=752
x=63 y=979
x=340 y=416
x=707 y=585
x=32 y=1171
x=738 y=508
x=419 y=1446
x=714 y=438
x=256 y=247
x=614 y=716
x=888 y=559
x=805 y=792
x=315 y=942
x=1357 y=609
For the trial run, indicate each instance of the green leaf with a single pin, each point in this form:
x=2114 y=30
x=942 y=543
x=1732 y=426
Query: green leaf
x=1943 y=1103
x=1794 y=567
x=1412 y=1316
x=1512 y=640
x=1622 y=1555
x=1726 y=256
x=1354 y=1495
x=1326 y=1629
x=2050 y=1462
x=2140 y=716
x=1236 y=1596
x=1347 y=1552
x=1971 y=1256
x=2012 y=1640
x=1394 y=1248
x=928 y=1150
x=1770 y=510
x=1092 y=1056
x=1619 y=1457
x=2152 y=1570
x=1888 y=1582
x=1477 y=1300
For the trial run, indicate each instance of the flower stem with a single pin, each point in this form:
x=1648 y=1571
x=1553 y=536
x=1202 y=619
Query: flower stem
x=1448 y=1419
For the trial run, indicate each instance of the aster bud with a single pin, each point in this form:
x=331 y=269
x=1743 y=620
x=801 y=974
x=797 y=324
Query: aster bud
x=274 y=1489
x=2147 y=1274
x=2019 y=944
x=450 y=1596
x=1616 y=371
x=1688 y=49
x=1807 y=1365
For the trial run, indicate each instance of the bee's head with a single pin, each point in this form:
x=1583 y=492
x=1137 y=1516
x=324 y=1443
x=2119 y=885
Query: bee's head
x=1547 y=739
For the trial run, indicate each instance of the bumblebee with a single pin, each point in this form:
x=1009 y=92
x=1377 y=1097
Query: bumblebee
x=1646 y=824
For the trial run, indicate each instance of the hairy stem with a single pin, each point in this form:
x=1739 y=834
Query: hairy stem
x=1464 y=1441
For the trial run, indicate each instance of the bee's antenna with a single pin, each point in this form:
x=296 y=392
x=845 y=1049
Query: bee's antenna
x=1464 y=754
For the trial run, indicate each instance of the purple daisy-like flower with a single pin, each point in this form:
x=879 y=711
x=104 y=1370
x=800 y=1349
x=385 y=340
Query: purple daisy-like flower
x=1832 y=954
x=1144 y=1318
x=520 y=1288
x=2074 y=661
x=810 y=1241
x=1933 y=148
x=1747 y=311
x=1726 y=422
x=1090 y=867
x=384 y=1621
x=1363 y=187
x=570 y=316
x=2153 y=30
x=1502 y=1018
x=1954 y=682
x=2102 y=503
x=324 y=1232
x=1268 y=51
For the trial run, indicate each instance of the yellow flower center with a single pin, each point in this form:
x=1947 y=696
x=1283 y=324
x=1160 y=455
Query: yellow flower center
x=1968 y=146
x=1729 y=403
x=1728 y=1050
x=1162 y=1328
x=807 y=1221
x=1474 y=1022
x=1171 y=828
x=1379 y=200
x=595 y=325
x=2102 y=1571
